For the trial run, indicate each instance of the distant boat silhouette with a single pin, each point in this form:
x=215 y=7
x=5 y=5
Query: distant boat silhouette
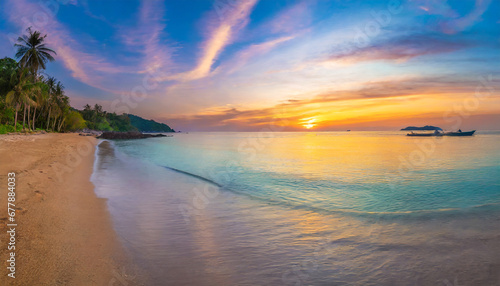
x=436 y=133
x=460 y=133
x=423 y=134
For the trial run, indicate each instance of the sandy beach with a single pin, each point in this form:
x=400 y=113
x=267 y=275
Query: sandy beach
x=64 y=234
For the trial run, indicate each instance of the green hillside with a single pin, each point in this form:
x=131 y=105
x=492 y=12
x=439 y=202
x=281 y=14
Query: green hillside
x=145 y=125
x=96 y=118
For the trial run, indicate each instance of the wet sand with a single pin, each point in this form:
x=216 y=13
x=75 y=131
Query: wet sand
x=64 y=234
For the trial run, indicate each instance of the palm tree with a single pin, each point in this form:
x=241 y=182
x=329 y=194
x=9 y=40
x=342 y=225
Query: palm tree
x=20 y=94
x=32 y=52
x=64 y=106
x=40 y=96
x=33 y=55
x=51 y=86
x=60 y=100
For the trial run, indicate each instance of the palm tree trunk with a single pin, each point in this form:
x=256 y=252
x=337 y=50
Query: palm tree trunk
x=34 y=114
x=54 y=124
x=40 y=115
x=48 y=119
x=29 y=114
x=15 y=118
x=60 y=124
x=24 y=116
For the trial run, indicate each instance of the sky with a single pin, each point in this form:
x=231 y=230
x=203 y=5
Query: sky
x=274 y=65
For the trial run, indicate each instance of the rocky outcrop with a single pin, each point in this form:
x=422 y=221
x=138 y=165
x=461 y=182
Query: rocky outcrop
x=90 y=132
x=128 y=135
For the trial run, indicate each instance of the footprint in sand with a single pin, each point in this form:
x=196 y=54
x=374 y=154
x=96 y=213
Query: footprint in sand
x=20 y=210
x=40 y=195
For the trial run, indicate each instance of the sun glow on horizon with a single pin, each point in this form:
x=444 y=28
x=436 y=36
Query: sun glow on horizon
x=308 y=123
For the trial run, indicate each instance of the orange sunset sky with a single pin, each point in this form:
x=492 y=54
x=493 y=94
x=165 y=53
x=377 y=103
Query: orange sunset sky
x=275 y=65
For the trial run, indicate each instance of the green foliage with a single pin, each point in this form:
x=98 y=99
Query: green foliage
x=4 y=129
x=148 y=125
x=6 y=112
x=8 y=67
x=104 y=126
x=97 y=119
x=32 y=51
x=74 y=121
x=120 y=122
x=24 y=90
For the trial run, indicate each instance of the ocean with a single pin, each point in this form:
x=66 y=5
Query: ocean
x=306 y=208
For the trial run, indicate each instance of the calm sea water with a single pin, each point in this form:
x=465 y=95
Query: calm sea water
x=339 y=208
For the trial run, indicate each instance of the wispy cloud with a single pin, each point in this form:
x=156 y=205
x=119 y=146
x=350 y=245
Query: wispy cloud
x=255 y=50
x=452 y=22
x=218 y=38
x=293 y=19
x=401 y=49
x=147 y=37
x=83 y=66
x=460 y=24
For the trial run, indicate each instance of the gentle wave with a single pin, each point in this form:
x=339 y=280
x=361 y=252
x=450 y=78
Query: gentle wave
x=333 y=180
x=386 y=214
x=192 y=175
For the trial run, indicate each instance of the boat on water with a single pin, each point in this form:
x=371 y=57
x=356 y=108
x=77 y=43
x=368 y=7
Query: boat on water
x=460 y=133
x=436 y=133
x=423 y=134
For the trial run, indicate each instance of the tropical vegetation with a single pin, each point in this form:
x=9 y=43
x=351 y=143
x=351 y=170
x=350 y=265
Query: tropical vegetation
x=31 y=100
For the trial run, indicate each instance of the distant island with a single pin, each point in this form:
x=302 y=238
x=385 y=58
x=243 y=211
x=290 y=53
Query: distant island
x=425 y=128
x=95 y=118
x=145 y=125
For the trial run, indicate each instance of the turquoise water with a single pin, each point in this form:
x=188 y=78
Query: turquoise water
x=253 y=208
x=357 y=171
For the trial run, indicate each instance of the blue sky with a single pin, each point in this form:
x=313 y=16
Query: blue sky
x=241 y=64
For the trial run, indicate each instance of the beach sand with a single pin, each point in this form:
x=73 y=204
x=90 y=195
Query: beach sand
x=64 y=234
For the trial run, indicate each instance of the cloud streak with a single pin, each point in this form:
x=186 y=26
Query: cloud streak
x=147 y=37
x=401 y=49
x=452 y=22
x=219 y=37
x=255 y=50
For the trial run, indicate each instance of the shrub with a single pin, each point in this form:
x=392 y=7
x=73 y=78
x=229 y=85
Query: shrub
x=4 y=128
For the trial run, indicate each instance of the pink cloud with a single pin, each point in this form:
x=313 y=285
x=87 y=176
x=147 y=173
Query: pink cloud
x=292 y=19
x=400 y=50
x=433 y=7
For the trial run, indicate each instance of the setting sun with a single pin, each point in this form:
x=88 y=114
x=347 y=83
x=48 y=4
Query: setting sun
x=308 y=122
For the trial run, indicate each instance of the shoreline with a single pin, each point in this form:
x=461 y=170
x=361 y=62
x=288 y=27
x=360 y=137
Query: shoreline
x=64 y=233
